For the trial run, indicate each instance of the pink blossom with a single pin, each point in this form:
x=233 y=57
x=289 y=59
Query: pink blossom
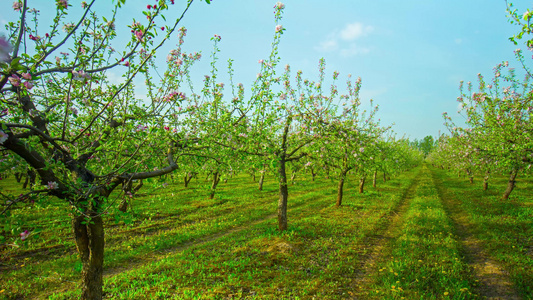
x=28 y=85
x=24 y=235
x=14 y=80
x=17 y=6
x=68 y=27
x=261 y=61
x=139 y=35
x=279 y=5
x=52 y=185
x=279 y=28
x=127 y=63
x=62 y=3
x=3 y=137
x=26 y=76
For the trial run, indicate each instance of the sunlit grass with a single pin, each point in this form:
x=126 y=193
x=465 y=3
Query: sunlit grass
x=423 y=260
x=316 y=256
x=504 y=227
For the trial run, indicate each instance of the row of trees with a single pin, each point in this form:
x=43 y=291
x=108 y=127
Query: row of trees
x=498 y=136
x=85 y=136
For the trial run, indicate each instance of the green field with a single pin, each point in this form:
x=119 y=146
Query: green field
x=425 y=234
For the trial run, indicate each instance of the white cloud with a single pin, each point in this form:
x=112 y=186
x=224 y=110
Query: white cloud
x=342 y=40
x=329 y=44
x=353 y=49
x=354 y=31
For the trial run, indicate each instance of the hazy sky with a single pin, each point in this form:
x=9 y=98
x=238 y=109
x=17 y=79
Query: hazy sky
x=410 y=54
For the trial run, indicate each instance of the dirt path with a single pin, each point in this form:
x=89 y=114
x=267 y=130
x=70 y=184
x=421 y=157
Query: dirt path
x=374 y=246
x=494 y=282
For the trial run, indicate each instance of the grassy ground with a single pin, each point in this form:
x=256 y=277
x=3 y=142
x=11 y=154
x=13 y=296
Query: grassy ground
x=398 y=240
x=504 y=228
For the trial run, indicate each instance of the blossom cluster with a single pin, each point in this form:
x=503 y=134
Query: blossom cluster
x=16 y=81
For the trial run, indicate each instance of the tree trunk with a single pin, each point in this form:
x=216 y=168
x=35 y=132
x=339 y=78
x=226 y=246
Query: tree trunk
x=253 y=176
x=384 y=177
x=129 y=191
x=188 y=177
x=261 y=180
x=340 y=188
x=362 y=184
x=18 y=176
x=216 y=180
x=293 y=177
x=470 y=176
x=374 y=179
x=486 y=181
x=510 y=185
x=89 y=238
x=30 y=179
x=283 y=195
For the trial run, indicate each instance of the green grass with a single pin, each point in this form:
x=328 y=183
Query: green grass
x=423 y=261
x=504 y=227
x=321 y=243
x=177 y=244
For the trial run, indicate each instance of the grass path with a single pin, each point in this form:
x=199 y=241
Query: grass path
x=374 y=245
x=419 y=257
x=494 y=281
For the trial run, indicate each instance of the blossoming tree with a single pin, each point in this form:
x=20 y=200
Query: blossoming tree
x=84 y=134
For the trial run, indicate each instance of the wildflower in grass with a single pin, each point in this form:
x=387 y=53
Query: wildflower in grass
x=24 y=235
x=52 y=185
x=3 y=137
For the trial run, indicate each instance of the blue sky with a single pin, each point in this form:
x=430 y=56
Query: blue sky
x=410 y=54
